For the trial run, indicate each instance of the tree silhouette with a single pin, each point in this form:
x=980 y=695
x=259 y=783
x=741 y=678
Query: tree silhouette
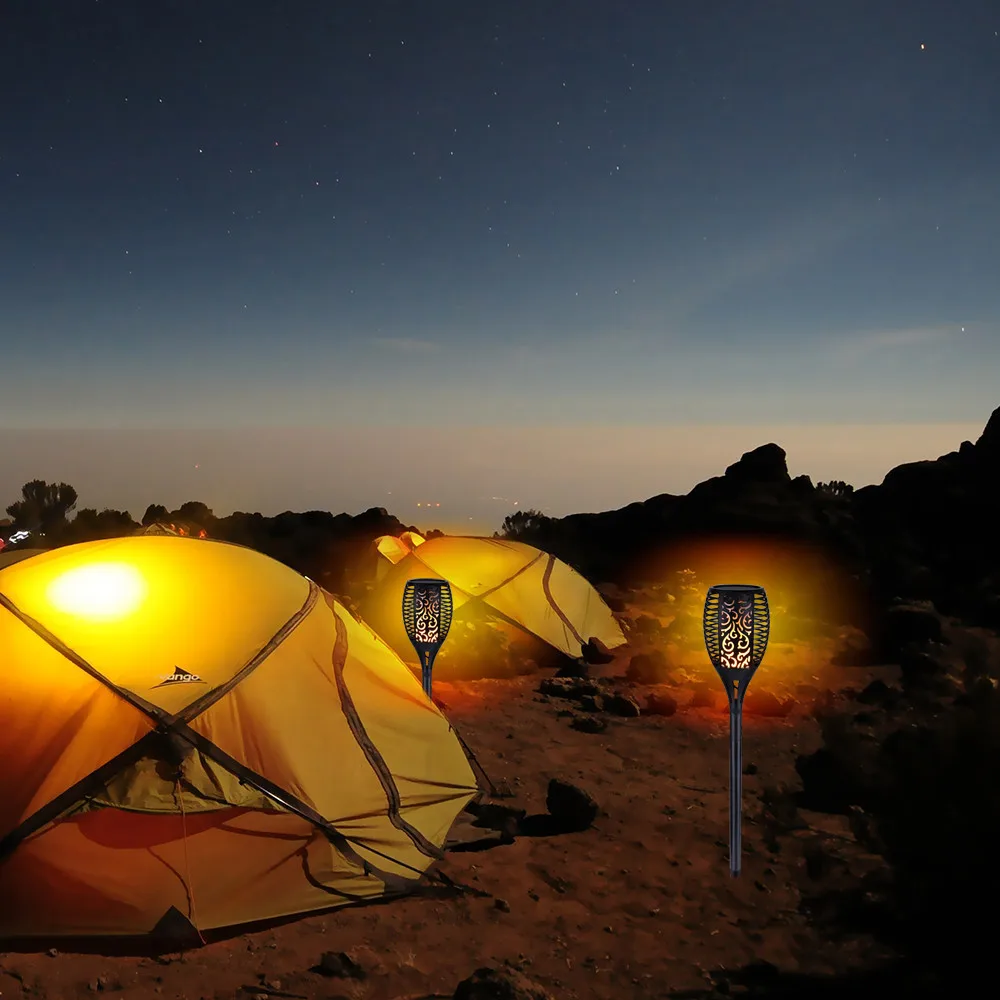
x=154 y=512
x=43 y=506
x=195 y=510
x=524 y=526
x=90 y=525
x=836 y=488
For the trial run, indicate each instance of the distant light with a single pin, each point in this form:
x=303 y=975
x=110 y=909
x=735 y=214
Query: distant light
x=922 y=46
x=98 y=591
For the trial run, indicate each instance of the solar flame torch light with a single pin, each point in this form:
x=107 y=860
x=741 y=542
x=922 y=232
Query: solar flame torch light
x=736 y=622
x=427 y=609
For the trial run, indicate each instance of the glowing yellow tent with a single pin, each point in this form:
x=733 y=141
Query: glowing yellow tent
x=514 y=581
x=195 y=736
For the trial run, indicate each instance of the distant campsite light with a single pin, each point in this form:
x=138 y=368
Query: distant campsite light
x=737 y=623
x=427 y=613
x=100 y=591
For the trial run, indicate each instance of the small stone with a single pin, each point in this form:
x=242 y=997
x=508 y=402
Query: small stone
x=339 y=965
x=502 y=905
x=589 y=724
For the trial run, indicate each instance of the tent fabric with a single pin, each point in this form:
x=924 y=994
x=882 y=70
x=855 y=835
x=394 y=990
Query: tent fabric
x=191 y=728
x=531 y=588
x=395 y=548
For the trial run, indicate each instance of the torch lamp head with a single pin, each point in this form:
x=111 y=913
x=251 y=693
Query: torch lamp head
x=427 y=612
x=736 y=623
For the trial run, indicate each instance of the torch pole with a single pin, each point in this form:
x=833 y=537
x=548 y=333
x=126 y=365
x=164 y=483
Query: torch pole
x=735 y=783
x=426 y=673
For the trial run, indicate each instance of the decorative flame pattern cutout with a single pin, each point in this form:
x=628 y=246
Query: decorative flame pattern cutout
x=736 y=630
x=427 y=613
x=736 y=624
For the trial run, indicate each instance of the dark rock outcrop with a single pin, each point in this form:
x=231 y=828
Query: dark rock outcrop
x=926 y=533
x=929 y=529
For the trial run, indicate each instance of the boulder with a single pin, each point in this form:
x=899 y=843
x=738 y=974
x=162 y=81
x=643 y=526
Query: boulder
x=660 y=703
x=622 y=705
x=570 y=806
x=567 y=687
x=649 y=668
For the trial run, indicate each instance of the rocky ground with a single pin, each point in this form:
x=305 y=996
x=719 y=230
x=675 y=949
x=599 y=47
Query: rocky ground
x=637 y=901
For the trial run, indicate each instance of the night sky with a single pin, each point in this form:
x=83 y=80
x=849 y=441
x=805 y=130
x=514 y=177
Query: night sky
x=227 y=220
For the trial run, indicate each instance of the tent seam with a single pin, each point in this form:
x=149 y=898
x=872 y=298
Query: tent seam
x=547 y=590
x=371 y=752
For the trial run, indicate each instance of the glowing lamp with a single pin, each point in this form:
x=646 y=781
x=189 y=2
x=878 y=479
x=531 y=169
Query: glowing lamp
x=736 y=622
x=100 y=591
x=427 y=610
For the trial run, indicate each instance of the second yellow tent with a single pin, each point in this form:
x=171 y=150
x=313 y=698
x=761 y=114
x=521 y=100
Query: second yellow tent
x=515 y=582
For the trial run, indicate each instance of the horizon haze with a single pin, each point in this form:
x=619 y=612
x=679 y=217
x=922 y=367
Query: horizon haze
x=478 y=475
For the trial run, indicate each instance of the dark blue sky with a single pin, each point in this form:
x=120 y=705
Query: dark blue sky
x=223 y=214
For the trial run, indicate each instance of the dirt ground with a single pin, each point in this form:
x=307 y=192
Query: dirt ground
x=640 y=905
